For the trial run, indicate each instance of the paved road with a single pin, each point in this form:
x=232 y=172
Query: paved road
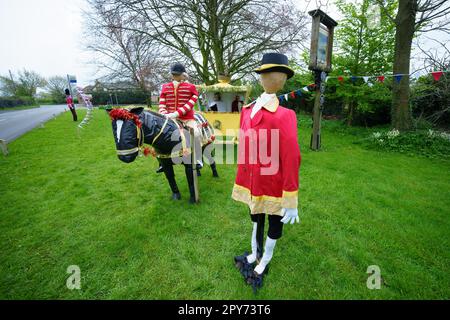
x=13 y=124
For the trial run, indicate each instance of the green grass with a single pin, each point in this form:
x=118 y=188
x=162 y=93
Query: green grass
x=67 y=200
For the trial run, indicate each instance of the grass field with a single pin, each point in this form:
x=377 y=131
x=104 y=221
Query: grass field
x=67 y=200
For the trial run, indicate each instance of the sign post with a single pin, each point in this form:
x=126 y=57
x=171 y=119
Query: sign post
x=320 y=62
x=71 y=79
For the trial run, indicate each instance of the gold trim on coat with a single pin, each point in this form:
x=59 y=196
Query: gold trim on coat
x=264 y=203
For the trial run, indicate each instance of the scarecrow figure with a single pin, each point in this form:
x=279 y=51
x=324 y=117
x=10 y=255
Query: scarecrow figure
x=268 y=167
x=70 y=104
x=176 y=101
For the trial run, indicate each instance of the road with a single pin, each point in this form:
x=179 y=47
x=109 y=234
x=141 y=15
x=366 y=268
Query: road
x=13 y=124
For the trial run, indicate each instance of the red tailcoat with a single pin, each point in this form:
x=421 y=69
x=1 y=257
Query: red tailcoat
x=267 y=179
x=181 y=99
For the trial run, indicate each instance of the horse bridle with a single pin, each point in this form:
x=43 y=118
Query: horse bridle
x=140 y=139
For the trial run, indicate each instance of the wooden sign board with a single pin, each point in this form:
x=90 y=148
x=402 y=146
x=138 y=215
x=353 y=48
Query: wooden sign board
x=321 y=41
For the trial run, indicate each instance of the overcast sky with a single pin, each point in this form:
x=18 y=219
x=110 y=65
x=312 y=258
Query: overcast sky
x=45 y=36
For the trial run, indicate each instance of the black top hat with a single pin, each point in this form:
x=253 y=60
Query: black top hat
x=275 y=62
x=177 y=69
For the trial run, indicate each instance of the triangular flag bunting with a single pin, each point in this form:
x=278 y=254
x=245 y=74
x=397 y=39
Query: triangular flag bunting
x=398 y=77
x=354 y=78
x=437 y=75
x=381 y=78
x=341 y=79
x=299 y=93
x=366 y=79
x=286 y=97
x=293 y=95
x=281 y=99
x=305 y=88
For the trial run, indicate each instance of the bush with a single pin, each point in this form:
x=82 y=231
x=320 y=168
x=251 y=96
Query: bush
x=11 y=102
x=429 y=143
x=123 y=97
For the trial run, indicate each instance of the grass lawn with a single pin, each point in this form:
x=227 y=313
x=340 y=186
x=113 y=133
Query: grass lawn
x=67 y=200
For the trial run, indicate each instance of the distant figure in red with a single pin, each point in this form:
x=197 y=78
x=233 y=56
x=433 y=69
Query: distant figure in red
x=235 y=104
x=71 y=105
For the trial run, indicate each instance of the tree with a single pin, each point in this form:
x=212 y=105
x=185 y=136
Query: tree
x=431 y=98
x=365 y=38
x=413 y=16
x=26 y=84
x=55 y=88
x=215 y=36
x=124 y=53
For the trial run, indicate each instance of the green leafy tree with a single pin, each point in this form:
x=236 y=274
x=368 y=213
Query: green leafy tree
x=365 y=46
x=25 y=85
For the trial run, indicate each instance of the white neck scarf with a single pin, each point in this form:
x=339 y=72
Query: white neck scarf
x=261 y=101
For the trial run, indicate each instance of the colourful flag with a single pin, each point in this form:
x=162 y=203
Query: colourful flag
x=437 y=75
x=354 y=78
x=293 y=95
x=381 y=78
x=398 y=77
x=341 y=79
x=366 y=79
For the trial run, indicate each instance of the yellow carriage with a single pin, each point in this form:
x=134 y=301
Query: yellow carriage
x=221 y=104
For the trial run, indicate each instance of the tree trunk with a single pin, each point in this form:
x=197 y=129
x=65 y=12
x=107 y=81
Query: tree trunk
x=401 y=117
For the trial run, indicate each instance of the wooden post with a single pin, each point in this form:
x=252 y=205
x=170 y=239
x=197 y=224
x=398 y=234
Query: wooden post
x=4 y=147
x=194 y=164
x=317 y=116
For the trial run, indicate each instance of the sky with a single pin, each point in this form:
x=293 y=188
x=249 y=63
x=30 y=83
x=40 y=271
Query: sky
x=46 y=36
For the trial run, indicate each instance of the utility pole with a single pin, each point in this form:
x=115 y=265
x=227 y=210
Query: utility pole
x=12 y=81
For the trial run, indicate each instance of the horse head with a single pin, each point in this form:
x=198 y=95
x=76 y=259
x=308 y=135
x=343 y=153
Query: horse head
x=128 y=132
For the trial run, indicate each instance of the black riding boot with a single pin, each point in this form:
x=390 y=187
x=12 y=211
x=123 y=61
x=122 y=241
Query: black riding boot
x=190 y=180
x=214 y=170
x=170 y=175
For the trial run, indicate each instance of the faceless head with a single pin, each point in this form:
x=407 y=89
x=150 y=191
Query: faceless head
x=274 y=81
x=127 y=131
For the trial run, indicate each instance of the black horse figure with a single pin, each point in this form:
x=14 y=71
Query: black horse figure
x=132 y=128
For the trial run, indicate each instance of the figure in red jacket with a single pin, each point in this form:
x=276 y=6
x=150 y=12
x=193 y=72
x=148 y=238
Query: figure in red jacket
x=177 y=100
x=70 y=104
x=268 y=167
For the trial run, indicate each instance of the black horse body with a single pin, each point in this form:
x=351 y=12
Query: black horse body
x=167 y=137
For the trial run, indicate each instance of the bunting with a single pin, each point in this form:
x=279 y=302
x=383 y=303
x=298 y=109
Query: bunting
x=381 y=78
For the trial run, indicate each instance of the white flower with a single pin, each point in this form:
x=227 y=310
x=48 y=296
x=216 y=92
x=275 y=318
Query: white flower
x=393 y=133
x=445 y=135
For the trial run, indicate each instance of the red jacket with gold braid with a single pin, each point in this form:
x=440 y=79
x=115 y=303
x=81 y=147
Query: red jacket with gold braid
x=268 y=159
x=179 y=99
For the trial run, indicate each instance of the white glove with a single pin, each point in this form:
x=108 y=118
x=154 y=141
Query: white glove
x=172 y=115
x=290 y=215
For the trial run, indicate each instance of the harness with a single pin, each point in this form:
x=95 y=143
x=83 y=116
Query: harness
x=140 y=139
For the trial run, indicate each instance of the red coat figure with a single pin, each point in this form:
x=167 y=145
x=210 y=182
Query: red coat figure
x=180 y=99
x=268 y=167
x=268 y=187
x=71 y=105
